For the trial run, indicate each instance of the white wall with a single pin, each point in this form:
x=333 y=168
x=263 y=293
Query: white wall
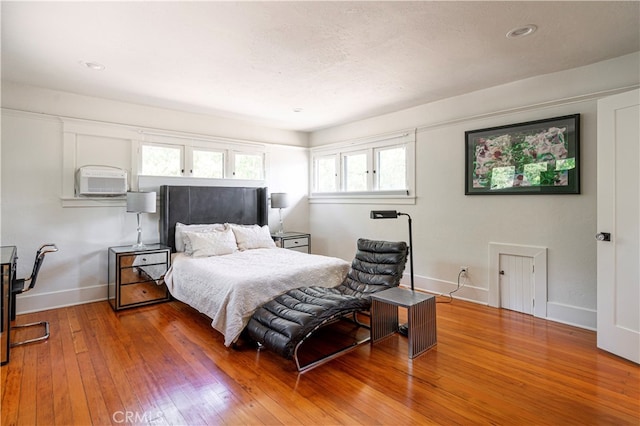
x=31 y=177
x=451 y=229
x=288 y=172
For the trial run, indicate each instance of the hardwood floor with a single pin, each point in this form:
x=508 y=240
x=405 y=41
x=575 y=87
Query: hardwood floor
x=164 y=364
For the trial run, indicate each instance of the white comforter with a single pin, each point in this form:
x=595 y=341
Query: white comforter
x=229 y=288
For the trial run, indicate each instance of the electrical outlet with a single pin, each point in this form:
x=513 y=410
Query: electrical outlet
x=464 y=269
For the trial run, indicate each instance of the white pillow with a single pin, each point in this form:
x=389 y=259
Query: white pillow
x=253 y=237
x=181 y=227
x=212 y=243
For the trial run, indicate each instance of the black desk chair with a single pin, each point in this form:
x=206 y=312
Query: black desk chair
x=19 y=287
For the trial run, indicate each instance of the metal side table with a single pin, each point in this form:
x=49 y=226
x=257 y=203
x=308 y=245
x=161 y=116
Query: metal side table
x=421 y=309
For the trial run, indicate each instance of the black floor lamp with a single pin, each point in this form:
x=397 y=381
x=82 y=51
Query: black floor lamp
x=392 y=214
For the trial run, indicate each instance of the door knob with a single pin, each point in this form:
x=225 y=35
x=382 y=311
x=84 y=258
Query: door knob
x=603 y=236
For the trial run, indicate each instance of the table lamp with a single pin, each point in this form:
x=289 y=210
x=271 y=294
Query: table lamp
x=279 y=200
x=141 y=202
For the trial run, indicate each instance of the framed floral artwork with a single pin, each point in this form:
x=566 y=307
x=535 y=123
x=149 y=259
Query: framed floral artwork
x=536 y=157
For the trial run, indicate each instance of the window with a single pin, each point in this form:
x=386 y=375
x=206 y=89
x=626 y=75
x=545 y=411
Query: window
x=162 y=160
x=199 y=159
x=355 y=171
x=248 y=166
x=208 y=164
x=391 y=168
x=369 y=168
x=326 y=174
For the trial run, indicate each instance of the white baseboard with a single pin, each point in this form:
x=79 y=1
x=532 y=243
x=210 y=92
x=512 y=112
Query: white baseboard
x=557 y=312
x=58 y=299
x=466 y=292
x=572 y=315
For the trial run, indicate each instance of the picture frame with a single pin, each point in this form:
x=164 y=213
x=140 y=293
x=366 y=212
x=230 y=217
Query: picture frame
x=534 y=157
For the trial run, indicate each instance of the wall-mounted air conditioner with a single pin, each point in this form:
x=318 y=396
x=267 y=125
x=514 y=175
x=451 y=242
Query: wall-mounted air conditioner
x=101 y=181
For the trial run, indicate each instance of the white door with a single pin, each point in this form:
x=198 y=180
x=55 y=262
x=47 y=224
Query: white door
x=516 y=283
x=618 y=323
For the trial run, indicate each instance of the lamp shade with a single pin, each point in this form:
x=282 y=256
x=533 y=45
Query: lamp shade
x=279 y=200
x=141 y=202
x=384 y=214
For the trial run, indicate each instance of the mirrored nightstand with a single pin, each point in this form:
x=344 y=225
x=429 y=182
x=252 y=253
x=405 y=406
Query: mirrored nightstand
x=136 y=276
x=298 y=241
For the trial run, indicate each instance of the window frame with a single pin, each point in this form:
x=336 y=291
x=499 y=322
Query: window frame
x=371 y=146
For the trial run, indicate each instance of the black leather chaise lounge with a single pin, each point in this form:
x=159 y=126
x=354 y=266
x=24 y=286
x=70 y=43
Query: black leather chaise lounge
x=284 y=323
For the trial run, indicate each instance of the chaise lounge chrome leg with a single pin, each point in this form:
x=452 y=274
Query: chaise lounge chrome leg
x=360 y=323
x=333 y=355
x=327 y=358
x=45 y=324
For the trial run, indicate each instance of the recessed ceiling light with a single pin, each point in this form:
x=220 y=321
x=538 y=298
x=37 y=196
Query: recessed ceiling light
x=297 y=110
x=523 y=31
x=92 y=65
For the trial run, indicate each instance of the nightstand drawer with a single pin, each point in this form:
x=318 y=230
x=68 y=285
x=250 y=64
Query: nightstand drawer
x=137 y=274
x=147 y=292
x=143 y=259
x=295 y=242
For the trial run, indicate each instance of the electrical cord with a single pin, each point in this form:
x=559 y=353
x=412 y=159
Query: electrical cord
x=453 y=291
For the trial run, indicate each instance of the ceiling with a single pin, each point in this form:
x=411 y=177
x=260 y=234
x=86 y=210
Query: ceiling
x=302 y=65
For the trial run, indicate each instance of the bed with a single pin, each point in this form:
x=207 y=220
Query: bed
x=224 y=284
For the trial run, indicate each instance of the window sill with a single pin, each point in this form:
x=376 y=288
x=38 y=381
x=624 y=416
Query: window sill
x=362 y=198
x=93 y=201
x=153 y=183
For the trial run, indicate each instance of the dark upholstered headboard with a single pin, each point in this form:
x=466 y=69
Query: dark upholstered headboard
x=209 y=204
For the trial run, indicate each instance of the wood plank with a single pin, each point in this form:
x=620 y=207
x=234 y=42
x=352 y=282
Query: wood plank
x=46 y=364
x=11 y=386
x=77 y=401
x=28 y=388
